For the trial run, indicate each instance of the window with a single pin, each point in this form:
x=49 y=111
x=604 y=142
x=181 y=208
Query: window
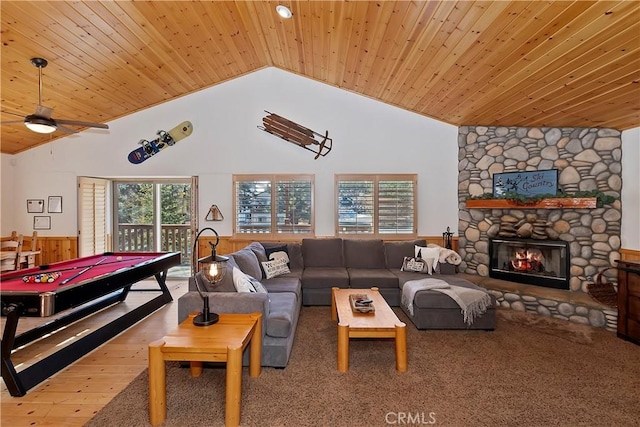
x=376 y=205
x=273 y=205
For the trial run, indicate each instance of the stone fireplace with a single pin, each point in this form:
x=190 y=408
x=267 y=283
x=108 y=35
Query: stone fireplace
x=586 y=159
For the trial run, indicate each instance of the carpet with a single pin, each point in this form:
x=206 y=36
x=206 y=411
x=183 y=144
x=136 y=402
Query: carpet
x=525 y=373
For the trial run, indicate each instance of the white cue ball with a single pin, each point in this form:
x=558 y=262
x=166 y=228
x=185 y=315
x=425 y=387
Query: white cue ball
x=119 y=258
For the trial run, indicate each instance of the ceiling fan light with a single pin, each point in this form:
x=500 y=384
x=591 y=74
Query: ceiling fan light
x=284 y=11
x=40 y=125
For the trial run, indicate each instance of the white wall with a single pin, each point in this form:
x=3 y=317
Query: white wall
x=368 y=137
x=630 y=231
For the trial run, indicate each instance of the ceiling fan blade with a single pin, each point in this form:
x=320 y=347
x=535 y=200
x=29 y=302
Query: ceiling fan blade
x=13 y=114
x=42 y=111
x=65 y=129
x=11 y=121
x=86 y=124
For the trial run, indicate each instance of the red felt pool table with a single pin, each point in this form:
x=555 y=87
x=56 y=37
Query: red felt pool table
x=85 y=286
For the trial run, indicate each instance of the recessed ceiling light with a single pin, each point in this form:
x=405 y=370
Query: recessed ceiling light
x=284 y=11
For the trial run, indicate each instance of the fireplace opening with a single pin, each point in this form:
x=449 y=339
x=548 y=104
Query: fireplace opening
x=543 y=263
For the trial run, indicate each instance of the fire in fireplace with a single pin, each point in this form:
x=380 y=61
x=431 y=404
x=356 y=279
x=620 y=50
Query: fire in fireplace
x=543 y=263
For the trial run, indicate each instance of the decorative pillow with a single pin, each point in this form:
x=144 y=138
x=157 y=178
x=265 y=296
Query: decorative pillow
x=426 y=252
x=417 y=265
x=277 y=252
x=241 y=281
x=275 y=268
x=259 y=287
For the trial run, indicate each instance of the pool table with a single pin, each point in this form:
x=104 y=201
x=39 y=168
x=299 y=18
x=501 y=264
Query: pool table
x=83 y=287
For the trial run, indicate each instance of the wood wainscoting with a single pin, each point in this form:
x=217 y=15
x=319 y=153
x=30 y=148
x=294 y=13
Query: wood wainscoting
x=629 y=254
x=54 y=249
x=62 y=248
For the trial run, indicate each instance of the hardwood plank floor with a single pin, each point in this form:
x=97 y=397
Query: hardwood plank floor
x=74 y=395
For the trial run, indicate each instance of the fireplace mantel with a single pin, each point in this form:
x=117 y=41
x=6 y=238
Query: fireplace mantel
x=551 y=203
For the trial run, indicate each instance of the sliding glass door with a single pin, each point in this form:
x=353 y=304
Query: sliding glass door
x=155 y=215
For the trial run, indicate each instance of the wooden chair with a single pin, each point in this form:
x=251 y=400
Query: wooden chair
x=30 y=243
x=10 y=254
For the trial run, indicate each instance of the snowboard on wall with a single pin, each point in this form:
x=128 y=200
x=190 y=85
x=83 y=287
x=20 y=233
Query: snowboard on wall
x=164 y=140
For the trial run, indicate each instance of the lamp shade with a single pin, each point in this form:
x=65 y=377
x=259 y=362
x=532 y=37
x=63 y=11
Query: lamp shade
x=213 y=270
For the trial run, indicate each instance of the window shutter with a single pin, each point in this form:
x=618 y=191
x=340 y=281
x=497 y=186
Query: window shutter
x=376 y=205
x=396 y=207
x=355 y=207
x=293 y=206
x=253 y=206
x=92 y=216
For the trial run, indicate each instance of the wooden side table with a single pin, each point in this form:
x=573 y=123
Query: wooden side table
x=221 y=342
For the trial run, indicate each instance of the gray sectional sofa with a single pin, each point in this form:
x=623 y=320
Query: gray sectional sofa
x=318 y=265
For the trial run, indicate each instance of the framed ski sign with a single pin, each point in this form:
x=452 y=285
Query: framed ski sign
x=530 y=183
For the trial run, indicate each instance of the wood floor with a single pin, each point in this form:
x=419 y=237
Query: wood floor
x=74 y=395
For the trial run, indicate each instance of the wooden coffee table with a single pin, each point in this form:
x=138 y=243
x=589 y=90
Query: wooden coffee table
x=382 y=324
x=221 y=342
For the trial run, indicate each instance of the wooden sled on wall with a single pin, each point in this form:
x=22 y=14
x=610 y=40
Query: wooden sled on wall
x=296 y=134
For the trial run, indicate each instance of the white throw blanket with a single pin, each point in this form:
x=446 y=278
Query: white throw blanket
x=472 y=302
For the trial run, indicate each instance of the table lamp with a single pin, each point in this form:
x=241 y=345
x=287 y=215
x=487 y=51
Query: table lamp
x=214 y=268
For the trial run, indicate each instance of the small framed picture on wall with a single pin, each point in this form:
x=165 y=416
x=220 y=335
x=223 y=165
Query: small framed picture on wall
x=35 y=205
x=55 y=204
x=42 y=223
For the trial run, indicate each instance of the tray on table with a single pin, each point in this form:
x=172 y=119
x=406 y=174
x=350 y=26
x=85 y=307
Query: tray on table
x=361 y=308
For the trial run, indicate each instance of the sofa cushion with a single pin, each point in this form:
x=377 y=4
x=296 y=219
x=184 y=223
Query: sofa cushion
x=325 y=277
x=322 y=252
x=258 y=250
x=247 y=262
x=369 y=277
x=283 y=284
x=396 y=251
x=282 y=308
x=363 y=253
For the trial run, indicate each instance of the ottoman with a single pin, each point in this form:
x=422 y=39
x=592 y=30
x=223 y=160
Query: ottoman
x=435 y=310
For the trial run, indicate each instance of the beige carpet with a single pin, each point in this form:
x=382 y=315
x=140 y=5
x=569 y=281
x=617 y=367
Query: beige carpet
x=528 y=372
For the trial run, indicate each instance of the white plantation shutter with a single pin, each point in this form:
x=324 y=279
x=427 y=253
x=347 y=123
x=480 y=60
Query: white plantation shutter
x=377 y=205
x=293 y=206
x=92 y=216
x=356 y=206
x=396 y=207
x=273 y=205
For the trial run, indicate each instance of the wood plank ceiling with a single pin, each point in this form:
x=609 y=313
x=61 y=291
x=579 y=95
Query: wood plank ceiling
x=552 y=63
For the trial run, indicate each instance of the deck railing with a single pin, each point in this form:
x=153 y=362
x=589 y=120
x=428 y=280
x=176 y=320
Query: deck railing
x=173 y=238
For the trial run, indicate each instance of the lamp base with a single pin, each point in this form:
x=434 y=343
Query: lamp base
x=202 y=320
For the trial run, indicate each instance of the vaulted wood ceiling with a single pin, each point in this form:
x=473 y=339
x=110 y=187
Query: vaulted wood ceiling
x=522 y=63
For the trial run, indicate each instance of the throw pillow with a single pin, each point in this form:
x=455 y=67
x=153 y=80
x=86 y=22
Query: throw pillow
x=275 y=252
x=259 y=287
x=275 y=268
x=425 y=252
x=417 y=265
x=241 y=281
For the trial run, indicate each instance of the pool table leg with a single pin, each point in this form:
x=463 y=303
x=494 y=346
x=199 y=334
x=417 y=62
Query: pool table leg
x=9 y=374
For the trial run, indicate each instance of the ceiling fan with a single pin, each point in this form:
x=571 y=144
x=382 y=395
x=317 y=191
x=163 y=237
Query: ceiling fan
x=41 y=121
